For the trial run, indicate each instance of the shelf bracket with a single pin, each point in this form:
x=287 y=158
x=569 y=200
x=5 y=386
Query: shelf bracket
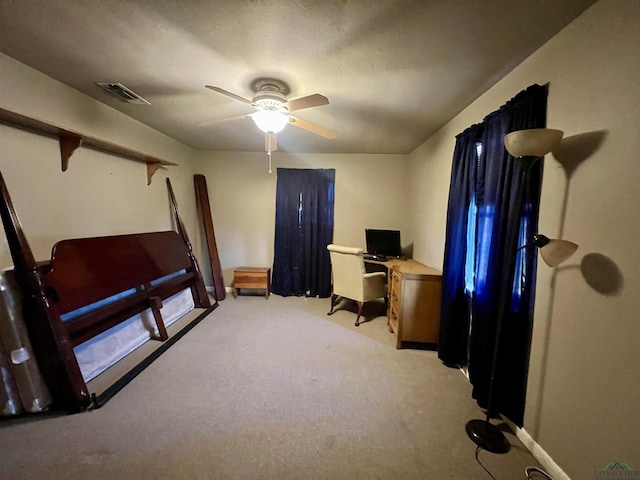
x=68 y=145
x=152 y=167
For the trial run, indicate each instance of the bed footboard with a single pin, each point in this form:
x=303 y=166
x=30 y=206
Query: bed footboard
x=91 y=285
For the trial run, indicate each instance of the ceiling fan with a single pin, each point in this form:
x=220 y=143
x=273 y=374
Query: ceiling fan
x=273 y=110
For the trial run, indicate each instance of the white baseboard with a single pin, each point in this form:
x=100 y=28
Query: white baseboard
x=551 y=467
x=213 y=290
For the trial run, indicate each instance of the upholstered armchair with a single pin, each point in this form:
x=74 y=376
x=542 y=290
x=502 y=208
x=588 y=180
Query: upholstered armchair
x=350 y=279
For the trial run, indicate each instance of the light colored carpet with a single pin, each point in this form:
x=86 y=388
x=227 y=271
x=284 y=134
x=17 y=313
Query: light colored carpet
x=271 y=389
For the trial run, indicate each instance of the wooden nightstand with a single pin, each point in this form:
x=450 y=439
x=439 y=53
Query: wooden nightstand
x=252 y=278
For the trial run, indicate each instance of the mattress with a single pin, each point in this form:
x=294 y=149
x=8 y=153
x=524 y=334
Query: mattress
x=102 y=351
x=23 y=387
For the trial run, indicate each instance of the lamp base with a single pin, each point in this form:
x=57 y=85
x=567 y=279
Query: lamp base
x=487 y=436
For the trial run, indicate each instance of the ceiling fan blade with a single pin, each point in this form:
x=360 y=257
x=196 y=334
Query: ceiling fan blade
x=312 y=127
x=229 y=94
x=208 y=123
x=309 y=101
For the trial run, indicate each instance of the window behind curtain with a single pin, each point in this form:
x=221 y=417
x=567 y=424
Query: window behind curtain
x=472 y=232
x=484 y=274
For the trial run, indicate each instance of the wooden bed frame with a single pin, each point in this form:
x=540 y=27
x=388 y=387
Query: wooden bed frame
x=91 y=274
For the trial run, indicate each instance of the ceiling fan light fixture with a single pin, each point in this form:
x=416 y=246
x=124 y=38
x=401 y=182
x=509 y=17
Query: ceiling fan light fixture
x=273 y=107
x=270 y=121
x=269 y=96
x=270 y=104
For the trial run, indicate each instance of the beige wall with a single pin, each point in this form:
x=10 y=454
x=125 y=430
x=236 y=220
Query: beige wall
x=99 y=194
x=583 y=388
x=369 y=193
x=583 y=394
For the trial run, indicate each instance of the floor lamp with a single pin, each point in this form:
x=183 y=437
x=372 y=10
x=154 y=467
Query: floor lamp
x=527 y=146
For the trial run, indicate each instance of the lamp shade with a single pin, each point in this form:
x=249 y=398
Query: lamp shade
x=534 y=142
x=270 y=121
x=554 y=252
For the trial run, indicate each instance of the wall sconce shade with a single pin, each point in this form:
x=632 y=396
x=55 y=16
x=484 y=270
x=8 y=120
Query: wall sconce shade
x=534 y=142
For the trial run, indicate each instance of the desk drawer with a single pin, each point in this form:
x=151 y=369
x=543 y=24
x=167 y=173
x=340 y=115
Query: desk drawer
x=393 y=320
x=395 y=290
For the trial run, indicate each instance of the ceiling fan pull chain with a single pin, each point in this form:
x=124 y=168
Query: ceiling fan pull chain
x=269 y=154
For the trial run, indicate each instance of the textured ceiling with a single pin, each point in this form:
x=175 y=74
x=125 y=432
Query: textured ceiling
x=394 y=71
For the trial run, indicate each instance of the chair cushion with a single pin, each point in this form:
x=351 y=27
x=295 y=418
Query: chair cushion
x=349 y=277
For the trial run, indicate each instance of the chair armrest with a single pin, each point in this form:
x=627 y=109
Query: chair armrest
x=348 y=250
x=375 y=285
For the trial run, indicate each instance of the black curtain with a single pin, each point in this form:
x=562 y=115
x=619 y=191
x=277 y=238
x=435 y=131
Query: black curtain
x=455 y=309
x=469 y=318
x=304 y=228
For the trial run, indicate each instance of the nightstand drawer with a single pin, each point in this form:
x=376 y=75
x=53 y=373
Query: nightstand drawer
x=252 y=278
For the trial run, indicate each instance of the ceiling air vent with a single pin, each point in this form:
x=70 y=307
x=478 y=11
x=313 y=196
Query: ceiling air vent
x=123 y=93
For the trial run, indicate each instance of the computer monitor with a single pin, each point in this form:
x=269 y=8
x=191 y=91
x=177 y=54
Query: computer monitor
x=383 y=242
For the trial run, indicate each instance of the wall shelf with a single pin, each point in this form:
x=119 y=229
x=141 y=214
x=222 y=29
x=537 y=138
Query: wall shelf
x=70 y=141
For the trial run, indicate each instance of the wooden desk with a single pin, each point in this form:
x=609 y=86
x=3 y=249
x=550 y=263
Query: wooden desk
x=389 y=264
x=408 y=266
x=413 y=306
